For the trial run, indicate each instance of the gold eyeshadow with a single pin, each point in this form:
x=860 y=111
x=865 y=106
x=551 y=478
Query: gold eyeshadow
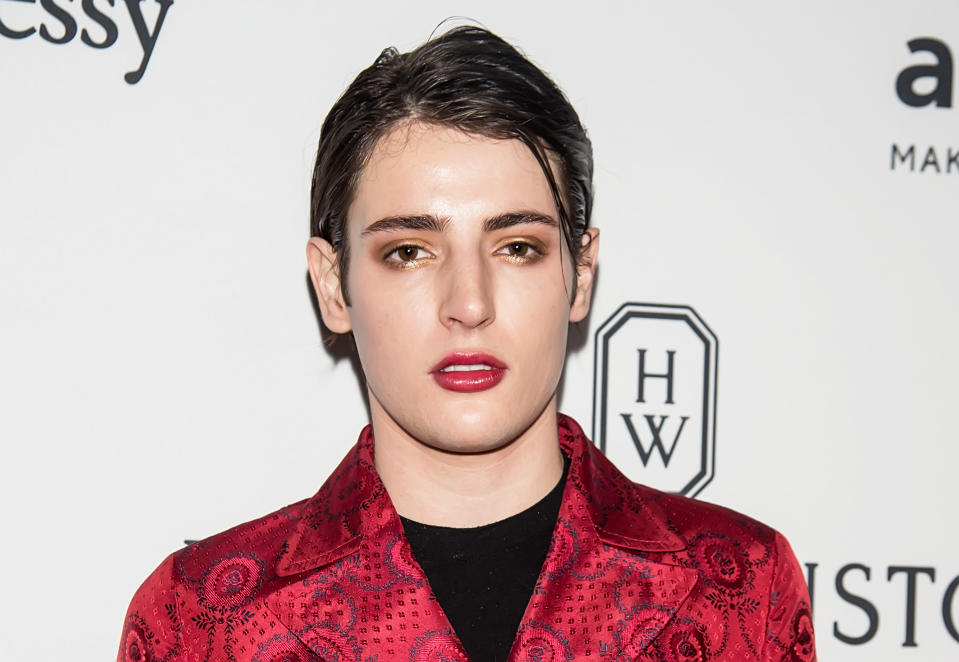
x=540 y=250
x=537 y=250
x=394 y=246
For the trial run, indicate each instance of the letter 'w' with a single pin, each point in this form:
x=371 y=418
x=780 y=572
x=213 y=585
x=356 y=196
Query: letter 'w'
x=656 y=430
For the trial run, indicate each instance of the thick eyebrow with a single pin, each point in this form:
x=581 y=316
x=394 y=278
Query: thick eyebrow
x=423 y=222
x=430 y=223
x=503 y=221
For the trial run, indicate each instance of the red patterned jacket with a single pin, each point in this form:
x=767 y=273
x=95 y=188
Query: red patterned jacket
x=632 y=574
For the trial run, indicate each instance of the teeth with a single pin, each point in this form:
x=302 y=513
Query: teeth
x=466 y=368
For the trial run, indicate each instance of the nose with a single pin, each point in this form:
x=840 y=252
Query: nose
x=467 y=299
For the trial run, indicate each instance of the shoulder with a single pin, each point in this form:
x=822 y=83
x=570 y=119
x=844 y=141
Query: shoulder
x=723 y=543
x=261 y=540
x=225 y=567
x=733 y=553
x=691 y=518
x=742 y=561
x=743 y=566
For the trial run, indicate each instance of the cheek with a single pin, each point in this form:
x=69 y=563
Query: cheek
x=542 y=290
x=386 y=322
x=538 y=315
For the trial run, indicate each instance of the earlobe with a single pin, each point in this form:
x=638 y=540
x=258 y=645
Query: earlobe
x=324 y=268
x=585 y=274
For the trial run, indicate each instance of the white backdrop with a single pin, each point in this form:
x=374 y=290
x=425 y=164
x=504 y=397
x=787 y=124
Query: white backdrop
x=161 y=370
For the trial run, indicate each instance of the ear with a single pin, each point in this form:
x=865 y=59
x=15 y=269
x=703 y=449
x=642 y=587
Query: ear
x=325 y=274
x=585 y=272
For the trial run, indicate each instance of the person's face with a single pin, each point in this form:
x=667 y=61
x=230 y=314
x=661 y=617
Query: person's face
x=460 y=285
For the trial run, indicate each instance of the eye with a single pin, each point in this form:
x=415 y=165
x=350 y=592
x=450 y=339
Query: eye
x=521 y=251
x=518 y=248
x=406 y=255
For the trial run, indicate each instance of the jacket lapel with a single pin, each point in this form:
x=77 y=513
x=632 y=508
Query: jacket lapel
x=600 y=593
x=347 y=586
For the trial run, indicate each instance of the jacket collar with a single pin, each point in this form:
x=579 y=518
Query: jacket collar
x=624 y=513
x=353 y=505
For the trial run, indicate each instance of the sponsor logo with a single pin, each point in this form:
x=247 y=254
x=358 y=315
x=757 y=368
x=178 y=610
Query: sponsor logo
x=654 y=395
x=59 y=22
x=943 y=160
x=855 y=586
x=940 y=73
x=929 y=84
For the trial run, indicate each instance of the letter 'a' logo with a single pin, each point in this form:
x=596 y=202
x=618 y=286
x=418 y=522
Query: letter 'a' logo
x=654 y=396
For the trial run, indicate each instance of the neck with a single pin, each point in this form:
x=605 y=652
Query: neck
x=460 y=490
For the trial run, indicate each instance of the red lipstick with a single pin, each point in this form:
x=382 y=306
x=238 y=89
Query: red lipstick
x=466 y=372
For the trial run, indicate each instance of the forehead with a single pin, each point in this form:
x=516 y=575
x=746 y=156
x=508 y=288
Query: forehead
x=431 y=169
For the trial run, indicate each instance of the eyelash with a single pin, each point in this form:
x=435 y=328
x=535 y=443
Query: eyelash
x=534 y=250
x=399 y=262
x=538 y=251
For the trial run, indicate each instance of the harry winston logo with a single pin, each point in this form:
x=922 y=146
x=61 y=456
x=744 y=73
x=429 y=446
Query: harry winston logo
x=654 y=395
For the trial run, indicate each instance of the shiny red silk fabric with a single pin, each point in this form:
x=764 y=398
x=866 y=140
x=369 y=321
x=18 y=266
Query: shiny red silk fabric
x=632 y=574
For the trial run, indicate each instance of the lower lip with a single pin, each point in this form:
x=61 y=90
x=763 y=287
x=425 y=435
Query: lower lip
x=469 y=381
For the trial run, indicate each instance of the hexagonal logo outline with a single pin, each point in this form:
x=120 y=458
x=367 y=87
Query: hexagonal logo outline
x=614 y=323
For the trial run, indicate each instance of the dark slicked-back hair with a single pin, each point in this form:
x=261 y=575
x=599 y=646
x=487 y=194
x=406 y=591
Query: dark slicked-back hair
x=467 y=78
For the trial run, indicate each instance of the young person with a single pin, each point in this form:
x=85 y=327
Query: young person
x=450 y=236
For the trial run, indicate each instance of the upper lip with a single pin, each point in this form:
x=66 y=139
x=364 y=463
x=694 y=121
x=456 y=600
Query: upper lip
x=468 y=358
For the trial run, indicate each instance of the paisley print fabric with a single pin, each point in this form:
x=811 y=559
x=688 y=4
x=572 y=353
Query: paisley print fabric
x=632 y=574
x=536 y=642
x=230 y=582
x=437 y=646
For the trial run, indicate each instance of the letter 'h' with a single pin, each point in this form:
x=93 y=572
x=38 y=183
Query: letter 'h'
x=643 y=375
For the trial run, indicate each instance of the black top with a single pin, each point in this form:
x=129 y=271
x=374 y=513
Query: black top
x=483 y=577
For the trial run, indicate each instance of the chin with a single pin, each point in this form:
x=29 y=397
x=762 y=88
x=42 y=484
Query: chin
x=477 y=433
x=474 y=424
x=469 y=446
